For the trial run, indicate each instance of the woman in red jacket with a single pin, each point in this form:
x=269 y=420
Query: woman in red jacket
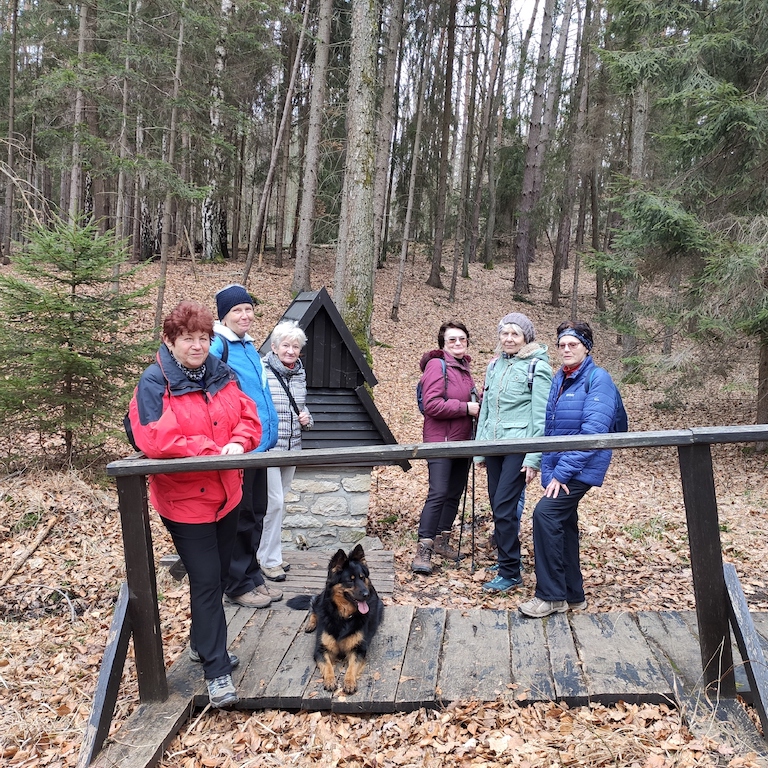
x=189 y=404
x=450 y=405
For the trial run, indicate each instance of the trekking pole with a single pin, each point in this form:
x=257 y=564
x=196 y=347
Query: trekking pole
x=473 y=398
x=461 y=527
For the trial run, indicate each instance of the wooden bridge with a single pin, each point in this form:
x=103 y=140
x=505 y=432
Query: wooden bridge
x=427 y=656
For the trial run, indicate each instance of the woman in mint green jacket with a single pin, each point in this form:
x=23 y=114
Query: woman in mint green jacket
x=517 y=384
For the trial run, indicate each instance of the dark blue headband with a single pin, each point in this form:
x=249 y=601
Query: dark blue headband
x=570 y=332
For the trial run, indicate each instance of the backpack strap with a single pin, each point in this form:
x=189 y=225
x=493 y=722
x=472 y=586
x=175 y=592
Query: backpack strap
x=225 y=348
x=284 y=385
x=531 y=373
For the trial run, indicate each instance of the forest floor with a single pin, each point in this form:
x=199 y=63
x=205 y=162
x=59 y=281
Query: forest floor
x=56 y=605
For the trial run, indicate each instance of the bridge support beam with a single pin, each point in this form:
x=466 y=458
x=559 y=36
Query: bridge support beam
x=707 y=567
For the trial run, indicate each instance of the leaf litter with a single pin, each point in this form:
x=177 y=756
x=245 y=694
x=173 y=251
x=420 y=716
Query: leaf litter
x=58 y=589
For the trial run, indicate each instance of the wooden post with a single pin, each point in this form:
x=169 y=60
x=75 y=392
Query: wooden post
x=142 y=584
x=707 y=567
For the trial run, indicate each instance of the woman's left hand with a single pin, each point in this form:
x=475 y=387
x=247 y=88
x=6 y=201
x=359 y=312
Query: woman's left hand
x=304 y=418
x=232 y=449
x=530 y=474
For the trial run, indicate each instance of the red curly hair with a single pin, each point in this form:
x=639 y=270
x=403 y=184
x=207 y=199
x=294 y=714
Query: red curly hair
x=187 y=316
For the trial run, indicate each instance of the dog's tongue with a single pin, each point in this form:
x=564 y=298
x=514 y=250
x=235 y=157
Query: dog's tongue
x=362 y=607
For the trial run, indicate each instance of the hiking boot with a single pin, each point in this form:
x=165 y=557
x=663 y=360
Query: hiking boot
x=274 y=574
x=285 y=566
x=273 y=593
x=221 y=691
x=252 y=599
x=538 y=608
x=582 y=606
x=443 y=546
x=502 y=584
x=195 y=656
x=422 y=563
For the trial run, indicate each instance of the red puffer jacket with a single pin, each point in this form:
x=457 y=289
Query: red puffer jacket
x=446 y=397
x=173 y=417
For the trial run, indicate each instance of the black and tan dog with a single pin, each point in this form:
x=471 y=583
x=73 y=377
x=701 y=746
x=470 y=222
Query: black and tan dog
x=346 y=615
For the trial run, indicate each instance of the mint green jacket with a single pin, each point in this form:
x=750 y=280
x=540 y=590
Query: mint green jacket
x=511 y=410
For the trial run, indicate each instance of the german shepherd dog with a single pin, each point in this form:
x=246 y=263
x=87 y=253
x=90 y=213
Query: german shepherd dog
x=346 y=615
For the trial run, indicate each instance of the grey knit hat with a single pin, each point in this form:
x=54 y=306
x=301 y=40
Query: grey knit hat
x=230 y=296
x=522 y=322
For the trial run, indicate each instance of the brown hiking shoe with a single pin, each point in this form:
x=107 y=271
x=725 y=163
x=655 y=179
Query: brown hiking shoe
x=422 y=563
x=443 y=546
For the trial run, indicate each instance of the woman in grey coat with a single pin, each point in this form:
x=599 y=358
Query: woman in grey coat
x=288 y=386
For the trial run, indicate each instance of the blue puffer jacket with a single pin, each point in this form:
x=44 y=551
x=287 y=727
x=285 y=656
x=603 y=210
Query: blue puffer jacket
x=243 y=358
x=576 y=412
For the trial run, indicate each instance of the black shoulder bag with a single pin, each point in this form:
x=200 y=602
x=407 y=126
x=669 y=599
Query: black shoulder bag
x=285 y=386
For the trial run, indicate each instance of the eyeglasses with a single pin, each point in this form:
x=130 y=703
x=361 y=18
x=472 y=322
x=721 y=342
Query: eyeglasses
x=455 y=339
x=569 y=345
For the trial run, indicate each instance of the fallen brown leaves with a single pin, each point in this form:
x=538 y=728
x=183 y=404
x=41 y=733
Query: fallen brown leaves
x=56 y=607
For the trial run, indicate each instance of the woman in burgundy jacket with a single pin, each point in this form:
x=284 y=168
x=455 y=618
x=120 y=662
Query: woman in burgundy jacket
x=450 y=406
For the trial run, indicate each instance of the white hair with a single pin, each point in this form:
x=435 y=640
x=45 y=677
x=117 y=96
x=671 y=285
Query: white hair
x=288 y=329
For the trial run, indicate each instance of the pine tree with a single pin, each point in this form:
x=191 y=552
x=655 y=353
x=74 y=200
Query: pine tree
x=68 y=356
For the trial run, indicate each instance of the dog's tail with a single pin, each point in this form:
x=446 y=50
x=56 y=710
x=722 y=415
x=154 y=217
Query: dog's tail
x=300 y=602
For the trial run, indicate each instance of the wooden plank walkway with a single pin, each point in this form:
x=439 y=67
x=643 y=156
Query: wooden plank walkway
x=430 y=657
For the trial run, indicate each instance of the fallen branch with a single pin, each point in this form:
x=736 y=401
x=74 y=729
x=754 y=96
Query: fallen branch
x=29 y=550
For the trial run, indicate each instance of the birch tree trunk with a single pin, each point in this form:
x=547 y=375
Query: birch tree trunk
x=442 y=177
x=533 y=156
x=301 y=272
x=355 y=261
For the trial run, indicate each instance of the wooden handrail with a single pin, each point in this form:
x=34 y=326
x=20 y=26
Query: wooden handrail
x=374 y=455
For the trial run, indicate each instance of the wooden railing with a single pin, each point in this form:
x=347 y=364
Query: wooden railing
x=713 y=606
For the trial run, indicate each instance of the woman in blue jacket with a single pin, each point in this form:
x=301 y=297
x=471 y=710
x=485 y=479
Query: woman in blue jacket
x=233 y=344
x=581 y=401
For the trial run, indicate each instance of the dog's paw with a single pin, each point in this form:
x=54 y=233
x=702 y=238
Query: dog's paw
x=329 y=685
x=350 y=687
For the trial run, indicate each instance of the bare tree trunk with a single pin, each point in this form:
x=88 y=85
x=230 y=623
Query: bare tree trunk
x=521 y=67
x=533 y=156
x=385 y=127
x=284 y=158
x=394 y=313
x=487 y=121
x=575 y=132
x=629 y=341
x=258 y=222
x=5 y=243
x=165 y=241
x=121 y=206
x=301 y=272
x=76 y=175
x=442 y=180
x=355 y=260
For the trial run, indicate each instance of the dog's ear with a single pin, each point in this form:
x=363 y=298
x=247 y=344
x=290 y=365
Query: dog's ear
x=338 y=561
x=357 y=554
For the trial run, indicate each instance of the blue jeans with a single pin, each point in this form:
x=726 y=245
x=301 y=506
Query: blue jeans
x=556 y=545
x=205 y=549
x=506 y=490
x=447 y=481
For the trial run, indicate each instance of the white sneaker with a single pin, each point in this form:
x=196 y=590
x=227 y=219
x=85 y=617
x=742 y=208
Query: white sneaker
x=222 y=692
x=538 y=608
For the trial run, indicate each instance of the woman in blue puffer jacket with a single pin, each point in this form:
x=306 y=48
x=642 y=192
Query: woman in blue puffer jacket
x=582 y=401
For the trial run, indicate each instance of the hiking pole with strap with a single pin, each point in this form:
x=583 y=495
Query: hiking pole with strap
x=473 y=398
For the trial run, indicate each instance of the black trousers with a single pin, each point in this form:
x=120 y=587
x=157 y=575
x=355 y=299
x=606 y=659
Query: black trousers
x=506 y=483
x=556 y=545
x=244 y=572
x=205 y=549
x=447 y=481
